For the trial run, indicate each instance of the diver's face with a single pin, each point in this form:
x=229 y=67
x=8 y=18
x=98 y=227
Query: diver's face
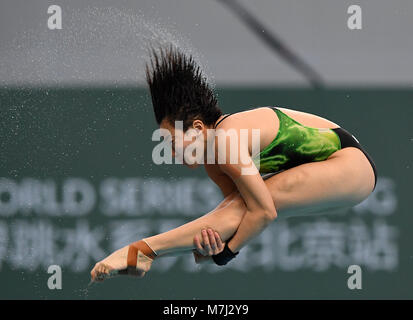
x=186 y=144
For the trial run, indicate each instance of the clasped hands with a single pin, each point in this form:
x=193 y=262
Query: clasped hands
x=211 y=245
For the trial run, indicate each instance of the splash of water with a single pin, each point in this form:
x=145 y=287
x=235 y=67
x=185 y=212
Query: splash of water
x=98 y=46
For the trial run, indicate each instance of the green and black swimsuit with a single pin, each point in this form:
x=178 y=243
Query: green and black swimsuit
x=296 y=144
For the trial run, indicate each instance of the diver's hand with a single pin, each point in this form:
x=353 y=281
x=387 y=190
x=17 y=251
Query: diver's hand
x=211 y=245
x=133 y=260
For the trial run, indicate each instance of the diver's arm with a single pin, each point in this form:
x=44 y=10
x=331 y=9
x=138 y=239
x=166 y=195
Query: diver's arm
x=260 y=208
x=224 y=220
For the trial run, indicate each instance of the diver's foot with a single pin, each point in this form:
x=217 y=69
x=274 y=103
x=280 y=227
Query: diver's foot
x=133 y=260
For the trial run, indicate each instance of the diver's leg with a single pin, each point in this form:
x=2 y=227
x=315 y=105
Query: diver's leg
x=343 y=180
x=224 y=219
x=340 y=182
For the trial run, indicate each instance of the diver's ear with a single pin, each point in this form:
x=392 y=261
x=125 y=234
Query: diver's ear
x=198 y=125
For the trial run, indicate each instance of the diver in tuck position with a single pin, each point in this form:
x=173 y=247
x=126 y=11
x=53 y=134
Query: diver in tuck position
x=304 y=165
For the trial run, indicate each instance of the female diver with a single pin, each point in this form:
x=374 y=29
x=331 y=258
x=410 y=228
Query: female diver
x=304 y=164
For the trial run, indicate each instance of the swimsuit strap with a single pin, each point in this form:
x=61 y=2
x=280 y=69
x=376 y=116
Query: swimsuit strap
x=216 y=125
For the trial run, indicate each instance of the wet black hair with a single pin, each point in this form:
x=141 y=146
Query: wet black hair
x=178 y=89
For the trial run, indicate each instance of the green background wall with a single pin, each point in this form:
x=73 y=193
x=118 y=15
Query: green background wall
x=56 y=141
